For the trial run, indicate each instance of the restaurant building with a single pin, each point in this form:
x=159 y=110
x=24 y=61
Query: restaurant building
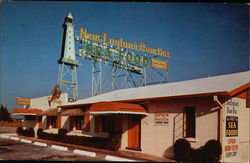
x=152 y=118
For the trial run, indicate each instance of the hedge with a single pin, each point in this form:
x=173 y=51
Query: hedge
x=29 y=133
x=111 y=143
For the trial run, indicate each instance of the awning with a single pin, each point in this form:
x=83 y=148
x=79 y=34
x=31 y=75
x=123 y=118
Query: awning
x=19 y=111
x=73 y=112
x=50 y=112
x=116 y=108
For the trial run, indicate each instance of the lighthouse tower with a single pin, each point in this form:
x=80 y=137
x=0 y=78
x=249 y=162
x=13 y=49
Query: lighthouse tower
x=67 y=76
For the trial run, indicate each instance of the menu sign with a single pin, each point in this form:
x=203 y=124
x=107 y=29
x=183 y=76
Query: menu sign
x=231 y=142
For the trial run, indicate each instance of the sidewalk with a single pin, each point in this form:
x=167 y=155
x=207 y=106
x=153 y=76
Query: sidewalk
x=108 y=155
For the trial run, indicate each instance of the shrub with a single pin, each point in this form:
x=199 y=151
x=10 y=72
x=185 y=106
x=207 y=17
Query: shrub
x=182 y=150
x=19 y=130
x=111 y=143
x=212 y=151
x=115 y=140
x=62 y=131
x=30 y=132
x=39 y=133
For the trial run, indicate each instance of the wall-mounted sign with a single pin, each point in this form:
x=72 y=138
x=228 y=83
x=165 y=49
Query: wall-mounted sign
x=22 y=101
x=119 y=53
x=161 y=119
x=231 y=142
x=231 y=126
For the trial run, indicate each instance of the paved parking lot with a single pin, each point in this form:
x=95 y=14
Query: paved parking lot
x=16 y=150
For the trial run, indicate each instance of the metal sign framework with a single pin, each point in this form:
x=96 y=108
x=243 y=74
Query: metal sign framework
x=67 y=80
x=115 y=64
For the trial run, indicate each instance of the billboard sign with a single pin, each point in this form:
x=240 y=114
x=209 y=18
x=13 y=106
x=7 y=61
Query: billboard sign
x=119 y=53
x=22 y=101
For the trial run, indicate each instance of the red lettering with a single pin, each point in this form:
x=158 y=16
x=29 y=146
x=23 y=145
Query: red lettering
x=231 y=141
x=227 y=148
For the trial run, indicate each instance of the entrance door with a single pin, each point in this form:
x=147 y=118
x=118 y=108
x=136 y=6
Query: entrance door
x=134 y=132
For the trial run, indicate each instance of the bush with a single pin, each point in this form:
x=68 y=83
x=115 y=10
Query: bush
x=212 y=151
x=115 y=140
x=39 y=133
x=19 y=131
x=62 y=131
x=182 y=150
x=31 y=132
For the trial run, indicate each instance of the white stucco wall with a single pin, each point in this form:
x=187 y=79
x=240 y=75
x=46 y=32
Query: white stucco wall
x=43 y=104
x=159 y=140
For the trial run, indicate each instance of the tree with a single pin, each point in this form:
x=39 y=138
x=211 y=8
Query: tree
x=4 y=114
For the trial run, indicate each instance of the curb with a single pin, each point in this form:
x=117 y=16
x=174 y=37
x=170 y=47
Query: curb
x=40 y=144
x=14 y=138
x=85 y=153
x=114 y=158
x=5 y=136
x=26 y=141
x=58 y=147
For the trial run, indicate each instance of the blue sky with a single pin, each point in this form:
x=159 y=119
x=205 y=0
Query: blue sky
x=204 y=39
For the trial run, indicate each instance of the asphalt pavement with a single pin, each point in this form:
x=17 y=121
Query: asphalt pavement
x=14 y=147
x=16 y=150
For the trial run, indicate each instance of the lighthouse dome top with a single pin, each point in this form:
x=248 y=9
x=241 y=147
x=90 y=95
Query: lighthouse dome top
x=70 y=16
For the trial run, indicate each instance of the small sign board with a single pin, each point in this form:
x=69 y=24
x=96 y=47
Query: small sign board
x=22 y=101
x=161 y=119
x=231 y=140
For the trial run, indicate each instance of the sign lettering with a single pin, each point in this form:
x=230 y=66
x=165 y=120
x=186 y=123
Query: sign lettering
x=161 y=119
x=119 y=53
x=22 y=101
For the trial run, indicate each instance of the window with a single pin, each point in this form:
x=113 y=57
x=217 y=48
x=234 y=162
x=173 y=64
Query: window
x=77 y=122
x=109 y=123
x=30 y=117
x=189 y=125
x=52 y=122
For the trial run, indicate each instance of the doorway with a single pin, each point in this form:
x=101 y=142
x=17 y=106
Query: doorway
x=134 y=132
